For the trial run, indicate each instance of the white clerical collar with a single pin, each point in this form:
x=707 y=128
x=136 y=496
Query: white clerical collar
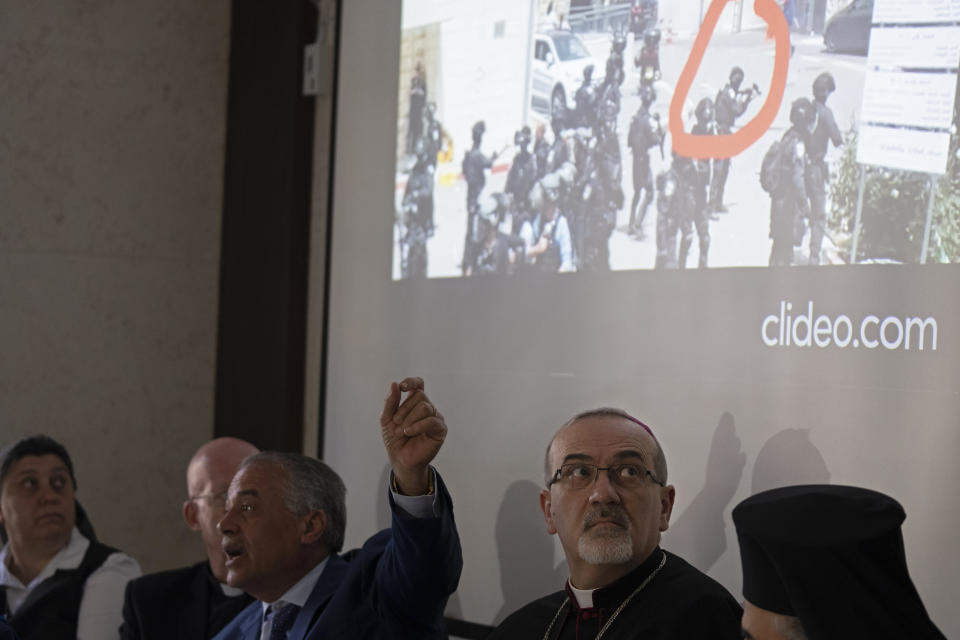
x=230 y=592
x=584 y=596
x=299 y=593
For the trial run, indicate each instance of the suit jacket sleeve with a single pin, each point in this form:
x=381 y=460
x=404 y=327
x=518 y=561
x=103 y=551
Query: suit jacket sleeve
x=130 y=629
x=420 y=566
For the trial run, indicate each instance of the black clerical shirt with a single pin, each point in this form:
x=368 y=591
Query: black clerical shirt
x=678 y=603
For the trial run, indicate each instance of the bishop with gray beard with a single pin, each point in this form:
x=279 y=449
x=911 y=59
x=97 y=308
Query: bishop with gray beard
x=607 y=500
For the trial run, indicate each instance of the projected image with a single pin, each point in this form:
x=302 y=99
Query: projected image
x=545 y=136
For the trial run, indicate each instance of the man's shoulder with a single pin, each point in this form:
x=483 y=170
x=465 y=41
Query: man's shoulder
x=687 y=586
x=530 y=620
x=171 y=581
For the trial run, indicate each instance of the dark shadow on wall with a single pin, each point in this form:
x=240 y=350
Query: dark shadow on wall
x=788 y=458
x=525 y=550
x=699 y=533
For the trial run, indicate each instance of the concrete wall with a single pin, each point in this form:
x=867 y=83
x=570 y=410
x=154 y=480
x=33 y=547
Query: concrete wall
x=112 y=138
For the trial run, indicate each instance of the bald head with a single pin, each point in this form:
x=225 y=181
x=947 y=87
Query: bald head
x=219 y=457
x=209 y=474
x=659 y=460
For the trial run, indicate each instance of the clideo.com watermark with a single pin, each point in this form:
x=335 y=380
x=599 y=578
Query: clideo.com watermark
x=801 y=328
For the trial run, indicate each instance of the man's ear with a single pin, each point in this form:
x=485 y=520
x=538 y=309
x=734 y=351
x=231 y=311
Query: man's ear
x=190 y=514
x=314 y=524
x=667 y=496
x=546 y=505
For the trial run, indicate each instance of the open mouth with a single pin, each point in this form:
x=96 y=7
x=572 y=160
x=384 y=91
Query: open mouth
x=232 y=550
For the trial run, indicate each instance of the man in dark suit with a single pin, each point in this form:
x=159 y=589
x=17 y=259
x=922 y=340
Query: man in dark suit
x=192 y=603
x=285 y=524
x=6 y=633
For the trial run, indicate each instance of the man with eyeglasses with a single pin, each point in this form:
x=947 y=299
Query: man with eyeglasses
x=608 y=501
x=193 y=602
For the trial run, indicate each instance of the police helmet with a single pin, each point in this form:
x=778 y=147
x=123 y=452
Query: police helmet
x=550 y=187
x=489 y=209
x=736 y=72
x=802 y=113
x=588 y=72
x=824 y=85
x=652 y=37
x=704 y=110
x=522 y=138
x=647 y=95
x=478 y=129
x=619 y=42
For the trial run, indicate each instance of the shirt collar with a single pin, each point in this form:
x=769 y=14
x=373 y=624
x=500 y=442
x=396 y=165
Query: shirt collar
x=299 y=593
x=584 y=597
x=69 y=557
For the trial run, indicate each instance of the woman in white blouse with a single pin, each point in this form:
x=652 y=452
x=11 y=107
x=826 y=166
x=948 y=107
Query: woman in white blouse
x=57 y=581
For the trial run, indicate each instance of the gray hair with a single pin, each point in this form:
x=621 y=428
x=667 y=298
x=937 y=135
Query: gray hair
x=310 y=485
x=659 y=460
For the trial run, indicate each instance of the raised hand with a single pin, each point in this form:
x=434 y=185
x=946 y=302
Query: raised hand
x=413 y=432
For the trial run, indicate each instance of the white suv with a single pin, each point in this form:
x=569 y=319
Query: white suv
x=559 y=57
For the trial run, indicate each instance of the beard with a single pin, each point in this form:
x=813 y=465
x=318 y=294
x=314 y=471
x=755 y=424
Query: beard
x=606 y=545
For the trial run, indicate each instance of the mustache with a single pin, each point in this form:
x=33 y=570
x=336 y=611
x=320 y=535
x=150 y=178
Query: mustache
x=614 y=513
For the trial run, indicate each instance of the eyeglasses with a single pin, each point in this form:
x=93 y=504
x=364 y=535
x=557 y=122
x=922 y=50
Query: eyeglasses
x=580 y=475
x=217 y=500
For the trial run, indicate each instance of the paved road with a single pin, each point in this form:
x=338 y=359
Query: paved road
x=739 y=237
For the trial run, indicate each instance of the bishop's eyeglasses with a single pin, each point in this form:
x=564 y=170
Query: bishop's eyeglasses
x=580 y=475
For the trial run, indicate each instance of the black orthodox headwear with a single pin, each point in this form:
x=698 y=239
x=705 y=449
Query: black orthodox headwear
x=832 y=556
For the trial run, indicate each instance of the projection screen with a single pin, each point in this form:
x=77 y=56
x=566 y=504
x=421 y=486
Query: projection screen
x=803 y=334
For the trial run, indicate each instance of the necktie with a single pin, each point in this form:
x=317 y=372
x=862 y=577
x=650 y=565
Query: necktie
x=282 y=617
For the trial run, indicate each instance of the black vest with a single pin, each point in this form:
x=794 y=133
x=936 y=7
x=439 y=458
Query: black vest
x=50 y=611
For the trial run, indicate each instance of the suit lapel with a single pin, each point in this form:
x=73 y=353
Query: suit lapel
x=326 y=586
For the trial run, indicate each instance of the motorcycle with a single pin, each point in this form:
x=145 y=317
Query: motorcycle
x=648 y=60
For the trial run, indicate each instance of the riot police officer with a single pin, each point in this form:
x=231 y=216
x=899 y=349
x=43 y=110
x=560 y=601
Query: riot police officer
x=698 y=184
x=418 y=99
x=560 y=151
x=731 y=104
x=474 y=166
x=817 y=174
x=788 y=200
x=608 y=94
x=675 y=206
x=615 y=60
x=521 y=177
x=584 y=101
x=603 y=194
x=433 y=134
x=645 y=132
x=417 y=215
